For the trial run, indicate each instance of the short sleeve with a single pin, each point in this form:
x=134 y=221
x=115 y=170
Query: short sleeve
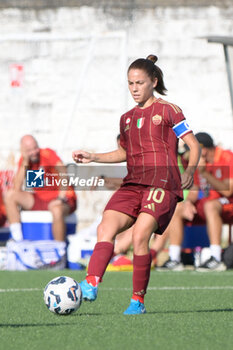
x=51 y=156
x=196 y=178
x=229 y=162
x=227 y=165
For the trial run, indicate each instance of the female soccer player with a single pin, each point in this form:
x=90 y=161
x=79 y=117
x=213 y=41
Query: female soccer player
x=152 y=187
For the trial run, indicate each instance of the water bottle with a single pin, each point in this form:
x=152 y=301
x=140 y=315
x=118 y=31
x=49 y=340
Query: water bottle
x=197 y=257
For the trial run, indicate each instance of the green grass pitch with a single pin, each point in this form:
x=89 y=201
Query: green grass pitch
x=185 y=310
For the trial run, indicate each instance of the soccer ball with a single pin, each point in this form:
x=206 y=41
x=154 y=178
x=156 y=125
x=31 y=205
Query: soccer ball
x=63 y=295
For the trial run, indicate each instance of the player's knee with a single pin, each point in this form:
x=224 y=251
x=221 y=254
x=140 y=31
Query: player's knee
x=138 y=238
x=10 y=196
x=211 y=206
x=179 y=210
x=101 y=231
x=104 y=232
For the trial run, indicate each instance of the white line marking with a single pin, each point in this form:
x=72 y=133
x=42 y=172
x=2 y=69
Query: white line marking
x=176 y=288
x=13 y=290
x=192 y=288
x=20 y=290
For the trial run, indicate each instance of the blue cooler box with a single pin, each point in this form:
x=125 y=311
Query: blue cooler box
x=37 y=225
x=195 y=236
x=4 y=234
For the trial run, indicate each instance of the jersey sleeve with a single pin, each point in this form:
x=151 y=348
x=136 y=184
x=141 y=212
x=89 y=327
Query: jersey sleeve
x=196 y=178
x=51 y=156
x=178 y=121
x=226 y=165
x=229 y=163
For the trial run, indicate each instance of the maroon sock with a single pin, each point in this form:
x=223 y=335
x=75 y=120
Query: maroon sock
x=141 y=274
x=153 y=253
x=100 y=258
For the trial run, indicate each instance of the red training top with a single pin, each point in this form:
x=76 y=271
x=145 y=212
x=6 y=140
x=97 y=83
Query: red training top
x=221 y=169
x=48 y=160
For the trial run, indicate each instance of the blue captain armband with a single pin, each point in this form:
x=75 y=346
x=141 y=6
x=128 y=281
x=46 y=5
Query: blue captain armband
x=181 y=128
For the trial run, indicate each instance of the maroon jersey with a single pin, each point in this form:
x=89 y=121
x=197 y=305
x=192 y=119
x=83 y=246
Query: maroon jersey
x=151 y=145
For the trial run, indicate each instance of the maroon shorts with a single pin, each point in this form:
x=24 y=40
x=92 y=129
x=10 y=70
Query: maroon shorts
x=40 y=204
x=226 y=215
x=132 y=199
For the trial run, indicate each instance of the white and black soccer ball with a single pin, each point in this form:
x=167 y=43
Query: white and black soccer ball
x=63 y=295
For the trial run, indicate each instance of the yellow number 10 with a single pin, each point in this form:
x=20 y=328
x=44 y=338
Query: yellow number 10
x=157 y=195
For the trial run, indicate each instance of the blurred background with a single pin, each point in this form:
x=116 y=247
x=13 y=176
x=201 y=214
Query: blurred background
x=63 y=70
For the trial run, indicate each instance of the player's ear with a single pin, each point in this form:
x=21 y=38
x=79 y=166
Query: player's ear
x=155 y=82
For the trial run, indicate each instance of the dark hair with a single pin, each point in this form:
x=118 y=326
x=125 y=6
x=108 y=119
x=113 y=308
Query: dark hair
x=152 y=70
x=205 y=140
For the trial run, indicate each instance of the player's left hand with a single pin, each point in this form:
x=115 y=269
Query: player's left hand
x=186 y=180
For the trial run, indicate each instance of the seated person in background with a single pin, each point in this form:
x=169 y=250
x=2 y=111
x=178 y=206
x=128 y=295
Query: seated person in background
x=60 y=201
x=209 y=201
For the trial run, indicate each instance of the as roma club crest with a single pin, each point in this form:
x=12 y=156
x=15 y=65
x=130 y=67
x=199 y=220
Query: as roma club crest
x=156 y=119
x=140 y=122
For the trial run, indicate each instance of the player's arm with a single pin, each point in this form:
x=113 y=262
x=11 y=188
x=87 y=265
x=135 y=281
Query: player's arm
x=194 y=156
x=116 y=156
x=61 y=169
x=21 y=173
x=19 y=178
x=224 y=187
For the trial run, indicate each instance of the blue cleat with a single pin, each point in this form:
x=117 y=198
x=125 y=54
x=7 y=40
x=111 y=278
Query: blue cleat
x=135 y=308
x=89 y=293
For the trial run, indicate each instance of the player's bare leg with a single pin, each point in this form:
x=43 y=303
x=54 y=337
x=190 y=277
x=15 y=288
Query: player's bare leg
x=59 y=210
x=13 y=201
x=158 y=241
x=123 y=241
x=175 y=232
x=176 y=226
x=113 y=222
x=142 y=231
x=157 y=244
x=213 y=209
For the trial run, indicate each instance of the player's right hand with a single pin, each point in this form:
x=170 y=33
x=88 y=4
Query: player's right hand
x=189 y=210
x=81 y=157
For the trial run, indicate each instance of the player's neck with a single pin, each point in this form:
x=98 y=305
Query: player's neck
x=147 y=103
